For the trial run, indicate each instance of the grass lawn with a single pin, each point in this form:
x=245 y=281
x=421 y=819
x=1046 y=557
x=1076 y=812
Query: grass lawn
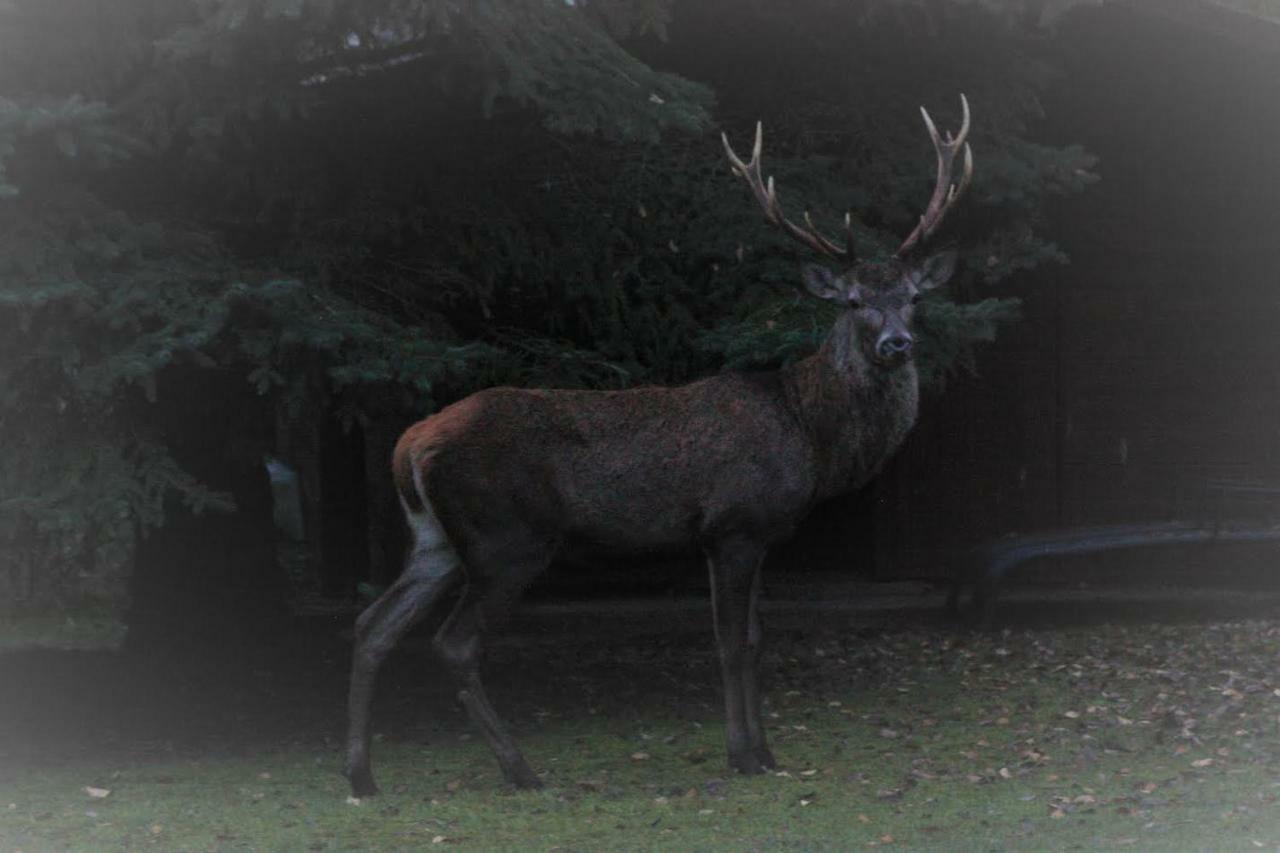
x=915 y=736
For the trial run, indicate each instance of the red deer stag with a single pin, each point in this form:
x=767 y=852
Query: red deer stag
x=498 y=484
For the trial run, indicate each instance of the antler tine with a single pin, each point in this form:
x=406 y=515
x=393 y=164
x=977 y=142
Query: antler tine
x=968 y=169
x=828 y=246
x=945 y=193
x=767 y=196
x=964 y=123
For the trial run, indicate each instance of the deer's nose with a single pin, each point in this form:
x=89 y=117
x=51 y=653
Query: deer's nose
x=893 y=346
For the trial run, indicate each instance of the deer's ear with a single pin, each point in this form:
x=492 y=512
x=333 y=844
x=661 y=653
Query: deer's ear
x=824 y=284
x=935 y=270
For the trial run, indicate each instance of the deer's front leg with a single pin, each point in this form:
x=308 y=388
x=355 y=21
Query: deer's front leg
x=735 y=569
x=752 y=697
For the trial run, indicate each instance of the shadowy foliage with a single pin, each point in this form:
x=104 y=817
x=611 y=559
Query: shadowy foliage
x=424 y=197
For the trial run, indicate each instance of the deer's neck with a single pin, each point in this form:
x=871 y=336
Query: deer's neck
x=855 y=413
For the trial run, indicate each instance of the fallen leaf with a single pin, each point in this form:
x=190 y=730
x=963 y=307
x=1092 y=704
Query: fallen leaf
x=96 y=793
x=696 y=756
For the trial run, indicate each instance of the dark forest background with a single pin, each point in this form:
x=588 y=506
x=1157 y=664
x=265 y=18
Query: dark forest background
x=266 y=235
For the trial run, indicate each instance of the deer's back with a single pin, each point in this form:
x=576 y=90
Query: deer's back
x=645 y=468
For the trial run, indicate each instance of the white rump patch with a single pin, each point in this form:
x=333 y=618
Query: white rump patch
x=429 y=537
x=428 y=533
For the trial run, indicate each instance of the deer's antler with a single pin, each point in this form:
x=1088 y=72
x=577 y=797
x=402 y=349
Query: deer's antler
x=945 y=193
x=768 y=199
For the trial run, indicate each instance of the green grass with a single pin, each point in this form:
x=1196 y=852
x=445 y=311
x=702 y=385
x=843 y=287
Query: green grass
x=1154 y=737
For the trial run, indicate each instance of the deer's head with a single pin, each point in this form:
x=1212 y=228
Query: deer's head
x=878 y=297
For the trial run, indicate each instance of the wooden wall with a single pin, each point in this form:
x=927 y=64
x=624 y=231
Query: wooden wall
x=1151 y=363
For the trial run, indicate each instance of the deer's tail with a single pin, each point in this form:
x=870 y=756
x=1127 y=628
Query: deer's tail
x=407 y=482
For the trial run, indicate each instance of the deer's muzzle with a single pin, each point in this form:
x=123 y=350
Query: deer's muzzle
x=894 y=347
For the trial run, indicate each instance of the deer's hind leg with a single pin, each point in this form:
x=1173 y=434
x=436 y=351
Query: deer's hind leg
x=431 y=570
x=493 y=583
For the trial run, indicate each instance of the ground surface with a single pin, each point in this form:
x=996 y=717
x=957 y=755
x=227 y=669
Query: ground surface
x=1126 y=719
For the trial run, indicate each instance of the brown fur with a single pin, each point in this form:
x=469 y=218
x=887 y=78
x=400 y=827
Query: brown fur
x=657 y=467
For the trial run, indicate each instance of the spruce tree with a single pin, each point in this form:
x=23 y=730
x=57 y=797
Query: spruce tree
x=407 y=201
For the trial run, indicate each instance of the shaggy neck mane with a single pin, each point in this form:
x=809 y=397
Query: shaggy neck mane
x=854 y=413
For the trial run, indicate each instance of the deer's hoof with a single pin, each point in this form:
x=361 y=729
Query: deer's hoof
x=362 y=784
x=524 y=778
x=747 y=763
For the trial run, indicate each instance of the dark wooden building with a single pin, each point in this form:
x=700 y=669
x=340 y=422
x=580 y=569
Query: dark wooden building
x=1150 y=365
